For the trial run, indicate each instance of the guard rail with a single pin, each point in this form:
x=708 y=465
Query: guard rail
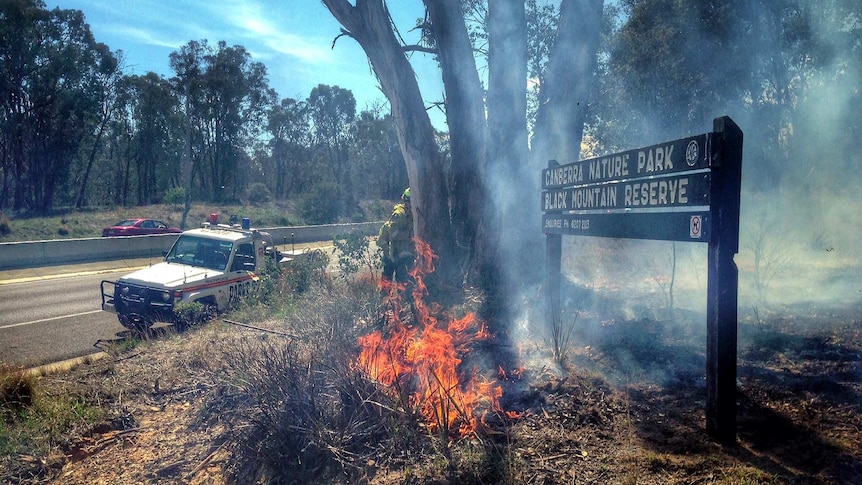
x=31 y=254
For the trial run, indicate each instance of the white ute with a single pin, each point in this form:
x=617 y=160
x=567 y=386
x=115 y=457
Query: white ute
x=214 y=265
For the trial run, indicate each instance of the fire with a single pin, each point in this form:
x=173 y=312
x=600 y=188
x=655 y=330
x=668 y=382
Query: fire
x=422 y=362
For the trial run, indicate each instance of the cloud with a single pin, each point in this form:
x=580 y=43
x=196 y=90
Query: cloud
x=147 y=36
x=265 y=36
x=268 y=32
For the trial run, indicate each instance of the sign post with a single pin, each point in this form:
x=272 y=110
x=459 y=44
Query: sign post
x=682 y=190
x=723 y=281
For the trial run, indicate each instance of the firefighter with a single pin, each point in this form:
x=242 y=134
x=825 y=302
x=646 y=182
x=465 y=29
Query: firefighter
x=395 y=240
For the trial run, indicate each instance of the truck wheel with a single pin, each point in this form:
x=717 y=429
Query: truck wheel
x=135 y=323
x=181 y=325
x=210 y=311
x=202 y=314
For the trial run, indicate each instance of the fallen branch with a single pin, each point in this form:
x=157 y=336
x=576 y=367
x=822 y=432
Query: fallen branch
x=555 y=457
x=204 y=463
x=258 y=328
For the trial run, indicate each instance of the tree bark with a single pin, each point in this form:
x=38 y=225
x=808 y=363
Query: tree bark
x=465 y=223
x=468 y=135
x=568 y=83
x=369 y=24
x=500 y=250
x=509 y=198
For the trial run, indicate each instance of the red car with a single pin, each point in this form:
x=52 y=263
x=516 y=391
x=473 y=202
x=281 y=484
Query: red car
x=139 y=227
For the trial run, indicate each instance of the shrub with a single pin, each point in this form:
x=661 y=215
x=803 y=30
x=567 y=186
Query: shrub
x=5 y=227
x=270 y=282
x=191 y=313
x=175 y=196
x=321 y=204
x=16 y=388
x=303 y=411
x=258 y=193
x=354 y=252
x=306 y=270
x=378 y=210
x=35 y=423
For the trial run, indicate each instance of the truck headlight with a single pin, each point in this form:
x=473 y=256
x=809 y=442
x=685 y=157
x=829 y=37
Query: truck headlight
x=166 y=296
x=124 y=290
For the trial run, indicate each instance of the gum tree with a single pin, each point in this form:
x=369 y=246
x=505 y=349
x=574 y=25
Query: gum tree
x=478 y=209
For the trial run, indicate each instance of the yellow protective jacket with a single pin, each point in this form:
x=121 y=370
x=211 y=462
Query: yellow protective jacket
x=395 y=238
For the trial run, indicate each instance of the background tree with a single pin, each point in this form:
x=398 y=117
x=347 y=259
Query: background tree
x=156 y=140
x=669 y=66
x=332 y=112
x=237 y=97
x=377 y=166
x=227 y=99
x=107 y=79
x=782 y=69
x=51 y=93
x=75 y=128
x=289 y=147
x=369 y=24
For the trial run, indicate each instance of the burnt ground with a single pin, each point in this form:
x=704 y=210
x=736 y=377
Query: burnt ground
x=627 y=407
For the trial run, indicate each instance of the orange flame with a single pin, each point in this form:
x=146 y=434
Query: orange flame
x=422 y=363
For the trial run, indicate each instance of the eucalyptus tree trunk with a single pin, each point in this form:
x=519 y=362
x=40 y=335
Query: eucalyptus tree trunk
x=368 y=23
x=468 y=134
x=508 y=207
x=568 y=83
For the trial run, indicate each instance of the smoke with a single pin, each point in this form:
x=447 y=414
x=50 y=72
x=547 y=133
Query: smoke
x=806 y=229
x=796 y=96
x=800 y=223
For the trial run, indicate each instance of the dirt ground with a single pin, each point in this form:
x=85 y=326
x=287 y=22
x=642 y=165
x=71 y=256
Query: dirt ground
x=798 y=412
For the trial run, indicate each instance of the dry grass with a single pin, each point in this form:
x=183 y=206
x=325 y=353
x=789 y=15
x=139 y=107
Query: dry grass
x=16 y=388
x=284 y=403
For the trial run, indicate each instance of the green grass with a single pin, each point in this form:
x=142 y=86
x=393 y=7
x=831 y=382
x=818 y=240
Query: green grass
x=33 y=421
x=71 y=224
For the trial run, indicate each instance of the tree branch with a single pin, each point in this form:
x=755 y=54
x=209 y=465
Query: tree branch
x=344 y=33
x=418 y=48
x=343 y=12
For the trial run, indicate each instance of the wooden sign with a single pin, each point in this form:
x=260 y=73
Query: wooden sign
x=682 y=190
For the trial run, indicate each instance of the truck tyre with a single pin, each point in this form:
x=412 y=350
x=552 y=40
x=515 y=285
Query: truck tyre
x=135 y=323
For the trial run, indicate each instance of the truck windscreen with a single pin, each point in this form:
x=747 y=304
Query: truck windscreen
x=200 y=251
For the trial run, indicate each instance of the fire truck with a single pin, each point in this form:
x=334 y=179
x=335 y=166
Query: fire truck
x=214 y=265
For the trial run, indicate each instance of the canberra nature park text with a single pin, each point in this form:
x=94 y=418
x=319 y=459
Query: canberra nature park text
x=658 y=176
x=649 y=162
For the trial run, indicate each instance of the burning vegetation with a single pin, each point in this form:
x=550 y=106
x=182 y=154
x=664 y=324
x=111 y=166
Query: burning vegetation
x=419 y=356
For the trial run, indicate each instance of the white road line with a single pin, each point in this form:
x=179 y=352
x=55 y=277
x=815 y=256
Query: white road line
x=29 y=279
x=49 y=319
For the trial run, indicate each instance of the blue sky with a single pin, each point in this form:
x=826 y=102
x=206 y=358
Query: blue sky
x=293 y=38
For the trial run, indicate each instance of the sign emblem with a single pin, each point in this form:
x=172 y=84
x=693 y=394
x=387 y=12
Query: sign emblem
x=691 y=152
x=695 y=228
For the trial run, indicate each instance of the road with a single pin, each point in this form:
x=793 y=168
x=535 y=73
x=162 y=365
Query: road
x=50 y=319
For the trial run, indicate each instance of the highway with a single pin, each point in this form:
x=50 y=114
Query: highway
x=53 y=318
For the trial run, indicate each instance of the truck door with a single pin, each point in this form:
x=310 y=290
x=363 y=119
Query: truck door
x=244 y=259
x=244 y=263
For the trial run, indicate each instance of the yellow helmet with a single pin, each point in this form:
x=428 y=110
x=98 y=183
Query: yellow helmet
x=406 y=195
